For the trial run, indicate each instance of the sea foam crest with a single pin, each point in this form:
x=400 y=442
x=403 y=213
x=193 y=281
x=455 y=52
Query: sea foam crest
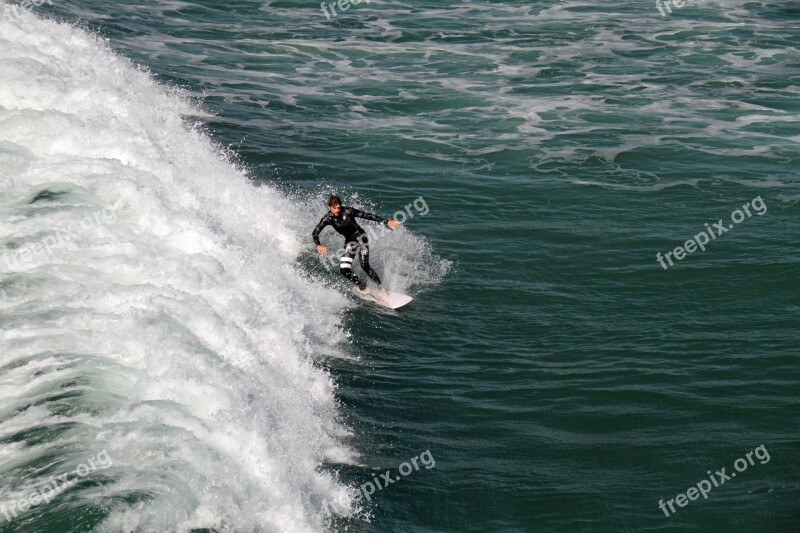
x=173 y=330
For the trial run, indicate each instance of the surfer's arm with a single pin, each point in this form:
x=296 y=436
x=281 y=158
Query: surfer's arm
x=369 y=216
x=321 y=226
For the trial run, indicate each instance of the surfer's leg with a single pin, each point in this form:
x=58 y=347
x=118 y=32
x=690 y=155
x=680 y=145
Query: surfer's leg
x=346 y=264
x=363 y=259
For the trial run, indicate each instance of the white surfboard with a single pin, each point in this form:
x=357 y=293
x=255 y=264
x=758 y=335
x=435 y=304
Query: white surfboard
x=392 y=300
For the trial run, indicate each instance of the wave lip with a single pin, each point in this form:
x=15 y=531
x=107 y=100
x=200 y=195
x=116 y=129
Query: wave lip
x=172 y=329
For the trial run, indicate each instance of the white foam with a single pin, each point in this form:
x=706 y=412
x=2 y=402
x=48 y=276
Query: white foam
x=183 y=330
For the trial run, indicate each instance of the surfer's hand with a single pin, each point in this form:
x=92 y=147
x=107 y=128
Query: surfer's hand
x=393 y=224
x=321 y=249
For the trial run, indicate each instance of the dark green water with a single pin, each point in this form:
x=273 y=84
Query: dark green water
x=560 y=377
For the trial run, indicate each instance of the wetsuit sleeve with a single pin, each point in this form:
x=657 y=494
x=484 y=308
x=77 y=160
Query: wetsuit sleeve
x=369 y=216
x=321 y=226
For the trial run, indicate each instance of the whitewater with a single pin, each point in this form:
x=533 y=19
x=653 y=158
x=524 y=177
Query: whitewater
x=174 y=330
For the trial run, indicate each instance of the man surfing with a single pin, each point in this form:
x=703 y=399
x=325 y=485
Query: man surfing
x=343 y=220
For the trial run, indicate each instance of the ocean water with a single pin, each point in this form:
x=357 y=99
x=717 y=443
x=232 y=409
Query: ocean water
x=175 y=356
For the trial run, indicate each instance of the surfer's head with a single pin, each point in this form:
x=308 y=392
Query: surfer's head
x=335 y=205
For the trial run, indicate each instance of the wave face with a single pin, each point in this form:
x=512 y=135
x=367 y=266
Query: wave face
x=151 y=309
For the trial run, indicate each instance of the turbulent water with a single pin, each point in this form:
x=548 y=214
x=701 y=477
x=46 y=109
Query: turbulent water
x=175 y=357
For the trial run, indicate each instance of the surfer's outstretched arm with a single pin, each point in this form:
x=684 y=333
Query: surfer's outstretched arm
x=369 y=216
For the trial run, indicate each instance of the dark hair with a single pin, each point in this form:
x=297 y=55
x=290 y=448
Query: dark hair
x=333 y=200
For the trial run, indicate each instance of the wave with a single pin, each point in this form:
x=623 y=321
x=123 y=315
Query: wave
x=152 y=308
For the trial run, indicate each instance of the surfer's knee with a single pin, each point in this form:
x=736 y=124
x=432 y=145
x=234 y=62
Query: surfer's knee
x=363 y=256
x=345 y=263
x=345 y=266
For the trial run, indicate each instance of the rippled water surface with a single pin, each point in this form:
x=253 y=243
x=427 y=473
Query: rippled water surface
x=561 y=375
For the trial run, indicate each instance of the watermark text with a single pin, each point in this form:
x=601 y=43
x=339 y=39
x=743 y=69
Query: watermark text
x=712 y=232
x=55 y=486
x=718 y=478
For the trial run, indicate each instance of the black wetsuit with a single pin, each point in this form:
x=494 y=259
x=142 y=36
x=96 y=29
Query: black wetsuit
x=345 y=224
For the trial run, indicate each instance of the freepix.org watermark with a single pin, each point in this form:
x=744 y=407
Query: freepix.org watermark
x=665 y=8
x=27 y=5
x=384 y=480
x=26 y=254
x=712 y=232
x=55 y=486
x=718 y=478
x=343 y=5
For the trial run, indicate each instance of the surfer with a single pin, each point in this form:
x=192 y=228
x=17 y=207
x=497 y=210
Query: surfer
x=343 y=221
